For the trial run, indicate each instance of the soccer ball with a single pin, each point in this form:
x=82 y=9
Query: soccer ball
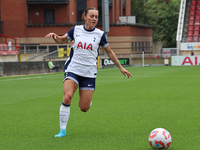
x=160 y=138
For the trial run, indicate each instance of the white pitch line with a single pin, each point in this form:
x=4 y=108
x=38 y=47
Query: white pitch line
x=25 y=78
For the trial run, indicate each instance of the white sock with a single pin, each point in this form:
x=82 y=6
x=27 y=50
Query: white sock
x=64 y=116
x=90 y=103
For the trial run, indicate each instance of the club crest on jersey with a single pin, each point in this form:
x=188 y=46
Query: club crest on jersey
x=94 y=39
x=84 y=46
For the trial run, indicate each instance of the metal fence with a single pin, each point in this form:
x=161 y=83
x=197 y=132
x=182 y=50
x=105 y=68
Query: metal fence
x=37 y=55
x=51 y=55
x=30 y=49
x=151 y=55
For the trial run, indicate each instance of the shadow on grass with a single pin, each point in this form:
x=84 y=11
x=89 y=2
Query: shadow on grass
x=157 y=149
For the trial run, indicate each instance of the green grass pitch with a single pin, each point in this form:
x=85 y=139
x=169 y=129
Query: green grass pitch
x=123 y=113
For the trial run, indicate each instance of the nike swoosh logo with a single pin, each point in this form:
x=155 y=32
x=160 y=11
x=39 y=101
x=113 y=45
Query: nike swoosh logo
x=89 y=84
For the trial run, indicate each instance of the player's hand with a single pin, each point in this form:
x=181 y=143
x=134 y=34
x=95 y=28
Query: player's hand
x=51 y=35
x=125 y=72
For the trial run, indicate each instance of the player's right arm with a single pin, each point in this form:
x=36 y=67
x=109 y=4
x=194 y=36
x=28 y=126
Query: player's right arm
x=58 y=39
x=62 y=39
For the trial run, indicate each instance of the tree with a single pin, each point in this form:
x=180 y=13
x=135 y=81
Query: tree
x=162 y=15
x=137 y=9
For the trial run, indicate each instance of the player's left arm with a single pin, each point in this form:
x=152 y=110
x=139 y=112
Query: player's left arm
x=113 y=57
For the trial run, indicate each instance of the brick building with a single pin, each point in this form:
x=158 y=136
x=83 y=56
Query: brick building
x=30 y=20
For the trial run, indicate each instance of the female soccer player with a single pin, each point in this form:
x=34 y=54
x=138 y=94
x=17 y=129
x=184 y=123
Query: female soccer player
x=81 y=67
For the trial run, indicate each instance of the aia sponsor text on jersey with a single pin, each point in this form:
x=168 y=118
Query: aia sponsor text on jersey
x=84 y=46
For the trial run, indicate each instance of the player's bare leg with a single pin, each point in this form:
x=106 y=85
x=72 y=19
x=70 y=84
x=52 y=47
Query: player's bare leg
x=69 y=89
x=85 y=99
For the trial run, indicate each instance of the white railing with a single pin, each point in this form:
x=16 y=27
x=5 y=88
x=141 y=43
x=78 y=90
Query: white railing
x=53 y=54
x=151 y=55
x=181 y=20
x=30 y=49
x=38 y=54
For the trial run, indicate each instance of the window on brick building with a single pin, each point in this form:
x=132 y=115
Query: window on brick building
x=143 y=46
x=81 y=6
x=140 y=46
x=148 y=46
x=49 y=16
x=132 y=46
x=135 y=46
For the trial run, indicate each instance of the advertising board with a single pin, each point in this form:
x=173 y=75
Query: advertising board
x=190 y=46
x=185 y=60
x=109 y=62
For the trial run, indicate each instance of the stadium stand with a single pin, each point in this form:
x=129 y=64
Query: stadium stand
x=8 y=50
x=194 y=22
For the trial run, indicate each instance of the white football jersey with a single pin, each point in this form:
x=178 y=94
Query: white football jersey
x=84 y=52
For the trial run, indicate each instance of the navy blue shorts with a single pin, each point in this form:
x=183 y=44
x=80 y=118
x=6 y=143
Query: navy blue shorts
x=84 y=83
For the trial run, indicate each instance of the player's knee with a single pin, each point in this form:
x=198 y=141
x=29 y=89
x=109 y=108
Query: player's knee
x=84 y=108
x=67 y=99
